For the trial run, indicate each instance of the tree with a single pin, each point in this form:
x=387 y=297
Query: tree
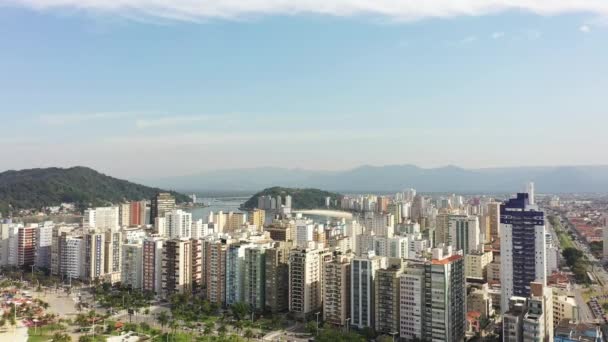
x=311 y=327
x=162 y=319
x=248 y=334
x=239 y=310
x=222 y=330
x=61 y=337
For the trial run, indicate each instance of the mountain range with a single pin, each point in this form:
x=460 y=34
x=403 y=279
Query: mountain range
x=391 y=178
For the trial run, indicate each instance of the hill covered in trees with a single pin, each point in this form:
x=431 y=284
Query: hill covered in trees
x=37 y=188
x=300 y=198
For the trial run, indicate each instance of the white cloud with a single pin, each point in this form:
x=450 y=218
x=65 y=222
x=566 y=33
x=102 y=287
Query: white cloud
x=498 y=35
x=196 y=10
x=585 y=28
x=171 y=121
x=468 y=40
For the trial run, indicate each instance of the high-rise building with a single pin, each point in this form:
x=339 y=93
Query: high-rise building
x=235 y=272
x=433 y=298
x=362 y=291
x=44 y=240
x=382 y=204
x=522 y=248
x=304 y=232
x=257 y=217
x=197 y=266
x=113 y=255
x=178 y=224
x=564 y=307
x=254 y=284
x=442 y=229
x=94 y=255
x=124 y=214
x=162 y=203
x=132 y=265
x=387 y=298
x=530 y=192
x=464 y=233
x=277 y=277
x=73 y=250
x=304 y=281
x=58 y=239
x=494 y=217
x=530 y=319
x=476 y=264
x=152 y=264
x=137 y=213
x=445 y=298
x=26 y=246
x=412 y=309
x=215 y=271
x=177 y=267
x=336 y=295
x=102 y=218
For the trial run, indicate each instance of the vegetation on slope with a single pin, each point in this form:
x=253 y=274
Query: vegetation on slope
x=300 y=198
x=37 y=188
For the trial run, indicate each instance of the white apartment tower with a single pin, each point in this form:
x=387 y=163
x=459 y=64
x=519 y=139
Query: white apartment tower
x=522 y=248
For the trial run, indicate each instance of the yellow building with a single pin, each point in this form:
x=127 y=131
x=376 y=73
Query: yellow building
x=476 y=264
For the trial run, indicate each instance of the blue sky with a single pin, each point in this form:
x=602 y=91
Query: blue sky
x=136 y=94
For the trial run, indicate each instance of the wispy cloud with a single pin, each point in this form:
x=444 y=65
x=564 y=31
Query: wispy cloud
x=468 y=40
x=497 y=35
x=75 y=118
x=585 y=28
x=166 y=121
x=198 y=10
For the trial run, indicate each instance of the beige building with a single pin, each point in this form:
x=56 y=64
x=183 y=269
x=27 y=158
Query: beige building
x=336 y=297
x=176 y=267
x=493 y=271
x=305 y=281
x=476 y=264
x=113 y=256
x=494 y=224
x=564 y=307
x=257 y=217
x=214 y=270
x=538 y=322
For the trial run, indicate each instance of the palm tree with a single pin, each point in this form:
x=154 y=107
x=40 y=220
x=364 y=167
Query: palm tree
x=162 y=318
x=61 y=337
x=222 y=330
x=248 y=334
x=173 y=325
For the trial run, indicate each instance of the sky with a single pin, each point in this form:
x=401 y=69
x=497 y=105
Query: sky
x=142 y=88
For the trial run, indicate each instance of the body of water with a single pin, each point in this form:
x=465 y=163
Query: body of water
x=224 y=204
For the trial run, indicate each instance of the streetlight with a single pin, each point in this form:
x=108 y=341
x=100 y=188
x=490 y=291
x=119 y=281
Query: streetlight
x=347 y=325
x=393 y=334
x=318 y=313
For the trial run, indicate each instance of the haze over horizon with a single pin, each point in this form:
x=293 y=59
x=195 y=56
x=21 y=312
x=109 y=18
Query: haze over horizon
x=170 y=88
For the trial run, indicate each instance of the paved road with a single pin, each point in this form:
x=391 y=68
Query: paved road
x=584 y=311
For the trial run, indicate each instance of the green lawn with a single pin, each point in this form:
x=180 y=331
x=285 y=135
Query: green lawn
x=43 y=333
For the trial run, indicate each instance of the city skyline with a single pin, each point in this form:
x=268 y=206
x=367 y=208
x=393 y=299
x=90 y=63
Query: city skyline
x=183 y=90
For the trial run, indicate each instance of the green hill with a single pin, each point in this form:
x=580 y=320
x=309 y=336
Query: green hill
x=300 y=198
x=36 y=188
